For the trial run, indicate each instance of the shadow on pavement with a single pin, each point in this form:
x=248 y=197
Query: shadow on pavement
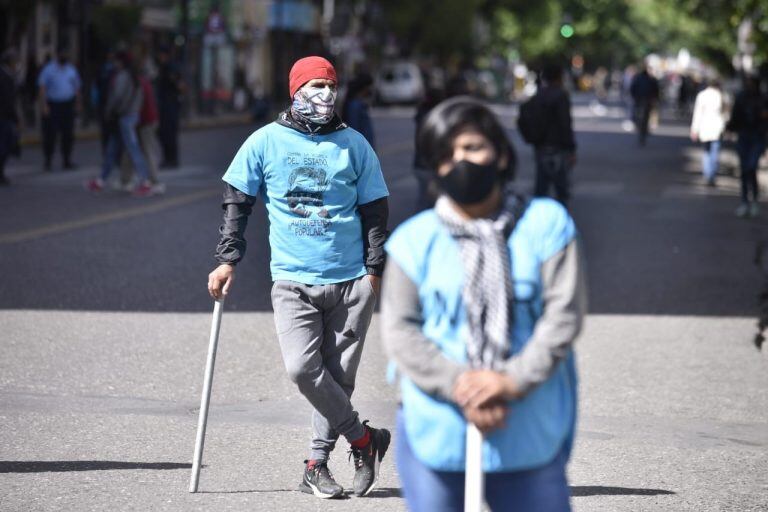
x=599 y=490
x=383 y=492
x=56 y=466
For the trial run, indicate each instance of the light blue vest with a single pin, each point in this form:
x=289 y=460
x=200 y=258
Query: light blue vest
x=542 y=423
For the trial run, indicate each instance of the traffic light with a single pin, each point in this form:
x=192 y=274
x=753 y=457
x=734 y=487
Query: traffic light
x=566 y=30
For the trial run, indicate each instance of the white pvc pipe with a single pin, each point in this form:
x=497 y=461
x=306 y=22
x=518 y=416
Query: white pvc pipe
x=474 y=483
x=206 y=398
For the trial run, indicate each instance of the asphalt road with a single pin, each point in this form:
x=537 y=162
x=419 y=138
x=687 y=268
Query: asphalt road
x=104 y=324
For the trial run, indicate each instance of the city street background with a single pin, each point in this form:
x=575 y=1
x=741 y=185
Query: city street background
x=105 y=320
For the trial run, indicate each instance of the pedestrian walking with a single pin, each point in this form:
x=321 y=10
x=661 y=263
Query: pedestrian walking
x=486 y=276
x=645 y=96
x=124 y=102
x=10 y=118
x=146 y=131
x=749 y=119
x=327 y=206
x=60 y=99
x=101 y=86
x=354 y=112
x=170 y=88
x=545 y=122
x=707 y=126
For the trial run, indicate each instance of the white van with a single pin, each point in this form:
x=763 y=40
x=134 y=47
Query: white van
x=399 y=82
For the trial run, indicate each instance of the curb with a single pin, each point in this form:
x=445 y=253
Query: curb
x=32 y=138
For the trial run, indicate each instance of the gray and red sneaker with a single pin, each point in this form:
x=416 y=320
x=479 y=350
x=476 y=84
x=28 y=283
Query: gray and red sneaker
x=319 y=481
x=368 y=459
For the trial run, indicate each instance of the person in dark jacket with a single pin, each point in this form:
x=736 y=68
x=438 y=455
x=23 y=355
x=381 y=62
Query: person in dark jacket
x=9 y=110
x=327 y=204
x=749 y=119
x=645 y=95
x=354 y=112
x=169 y=86
x=556 y=153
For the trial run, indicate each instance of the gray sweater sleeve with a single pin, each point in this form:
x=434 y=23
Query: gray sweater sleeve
x=564 y=294
x=415 y=355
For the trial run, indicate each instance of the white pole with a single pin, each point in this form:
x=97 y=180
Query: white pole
x=206 y=398
x=474 y=483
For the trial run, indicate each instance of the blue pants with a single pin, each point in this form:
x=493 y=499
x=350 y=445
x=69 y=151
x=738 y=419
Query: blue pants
x=124 y=136
x=543 y=489
x=710 y=158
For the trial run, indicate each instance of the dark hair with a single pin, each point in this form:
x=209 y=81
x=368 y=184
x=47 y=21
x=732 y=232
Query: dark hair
x=453 y=116
x=357 y=85
x=552 y=73
x=129 y=64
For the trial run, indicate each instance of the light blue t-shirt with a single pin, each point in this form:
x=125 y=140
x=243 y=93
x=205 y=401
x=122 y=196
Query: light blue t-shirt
x=61 y=82
x=311 y=186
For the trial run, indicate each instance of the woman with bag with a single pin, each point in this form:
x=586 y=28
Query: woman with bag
x=483 y=297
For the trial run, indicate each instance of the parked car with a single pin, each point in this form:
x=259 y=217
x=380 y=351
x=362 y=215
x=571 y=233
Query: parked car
x=399 y=82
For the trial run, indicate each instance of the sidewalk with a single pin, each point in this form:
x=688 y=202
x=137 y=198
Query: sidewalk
x=32 y=136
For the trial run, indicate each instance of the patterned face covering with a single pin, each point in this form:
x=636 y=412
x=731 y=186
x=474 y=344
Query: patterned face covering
x=315 y=103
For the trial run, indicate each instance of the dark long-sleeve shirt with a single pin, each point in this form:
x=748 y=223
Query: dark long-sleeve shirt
x=559 y=133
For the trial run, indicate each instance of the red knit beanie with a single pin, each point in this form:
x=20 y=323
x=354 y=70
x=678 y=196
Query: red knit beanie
x=307 y=69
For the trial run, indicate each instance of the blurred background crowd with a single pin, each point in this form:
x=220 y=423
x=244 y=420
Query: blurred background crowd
x=234 y=55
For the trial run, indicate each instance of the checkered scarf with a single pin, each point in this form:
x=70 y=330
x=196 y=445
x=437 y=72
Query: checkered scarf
x=487 y=293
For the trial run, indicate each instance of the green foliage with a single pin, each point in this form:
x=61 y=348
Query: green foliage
x=606 y=32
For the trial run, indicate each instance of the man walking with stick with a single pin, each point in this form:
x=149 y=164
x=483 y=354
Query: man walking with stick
x=327 y=206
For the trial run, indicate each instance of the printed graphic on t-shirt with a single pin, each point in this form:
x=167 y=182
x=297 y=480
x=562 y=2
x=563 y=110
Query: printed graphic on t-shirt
x=307 y=185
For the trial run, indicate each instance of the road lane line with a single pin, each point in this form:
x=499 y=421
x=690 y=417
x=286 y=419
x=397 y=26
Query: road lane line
x=126 y=213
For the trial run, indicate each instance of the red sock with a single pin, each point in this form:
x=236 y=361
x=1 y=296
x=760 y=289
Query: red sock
x=311 y=463
x=363 y=441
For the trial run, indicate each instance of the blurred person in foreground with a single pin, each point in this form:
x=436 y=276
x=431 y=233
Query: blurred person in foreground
x=60 y=99
x=749 y=119
x=124 y=101
x=707 y=126
x=644 y=90
x=10 y=118
x=327 y=208
x=354 y=112
x=483 y=297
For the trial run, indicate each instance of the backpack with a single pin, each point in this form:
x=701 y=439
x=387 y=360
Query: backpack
x=532 y=120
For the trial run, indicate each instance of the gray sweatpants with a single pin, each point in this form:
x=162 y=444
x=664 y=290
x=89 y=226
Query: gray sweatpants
x=321 y=330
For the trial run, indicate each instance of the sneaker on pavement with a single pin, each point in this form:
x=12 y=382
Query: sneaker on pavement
x=742 y=210
x=143 y=190
x=94 y=185
x=319 y=481
x=368 y=459
x=754 y=209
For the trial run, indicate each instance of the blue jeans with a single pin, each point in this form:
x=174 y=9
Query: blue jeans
x=124 y=136
x=750 y=147
x=542 y=489
x=710 y=159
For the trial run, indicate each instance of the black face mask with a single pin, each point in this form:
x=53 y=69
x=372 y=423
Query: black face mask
x=468 y=183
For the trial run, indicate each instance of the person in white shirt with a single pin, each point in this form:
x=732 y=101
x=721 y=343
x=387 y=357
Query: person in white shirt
x=707 y=126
